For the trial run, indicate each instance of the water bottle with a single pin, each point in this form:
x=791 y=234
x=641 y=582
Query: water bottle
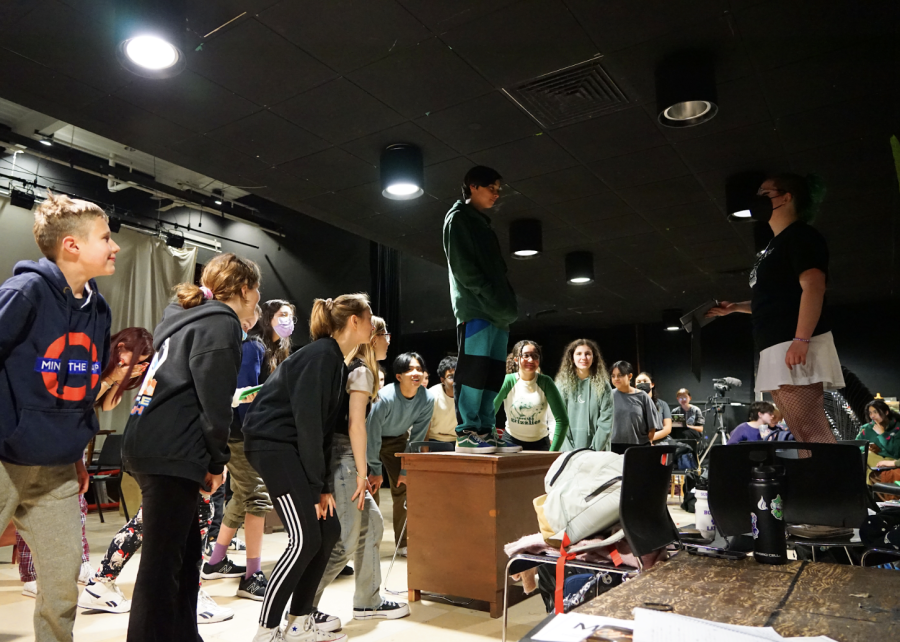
x=767 y=515
x=703 y=518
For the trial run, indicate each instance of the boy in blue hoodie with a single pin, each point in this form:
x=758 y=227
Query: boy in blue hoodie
x=54 y=344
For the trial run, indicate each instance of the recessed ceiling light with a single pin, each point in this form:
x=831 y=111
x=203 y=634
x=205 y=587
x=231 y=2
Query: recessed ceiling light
x=579 y=268
x=686 y=89
x=742 y=214
x=151 y=52
x=402 y=172
x=403 y=189
x=526 y=253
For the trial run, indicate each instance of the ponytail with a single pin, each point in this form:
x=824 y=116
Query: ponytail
x=330 y=316
x=223 y=278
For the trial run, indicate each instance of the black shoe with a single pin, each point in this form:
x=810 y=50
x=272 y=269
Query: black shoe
x=325 y=622
x=347 y=570
x=225 y=568
x=253 y=587
x=387 y=611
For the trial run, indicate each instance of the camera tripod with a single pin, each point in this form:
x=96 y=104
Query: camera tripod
x=718 y=404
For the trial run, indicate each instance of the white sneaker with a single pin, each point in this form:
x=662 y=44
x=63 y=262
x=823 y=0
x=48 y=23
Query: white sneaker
x=29 y=589
x=237 y=544
x=86 y=573
x=208 y=611
x=304 y=629
x=104 y=596
x=268 y=635
x=402 y=551
x=326 y=622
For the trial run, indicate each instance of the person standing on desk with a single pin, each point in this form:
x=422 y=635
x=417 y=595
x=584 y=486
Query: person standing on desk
x=791 y=328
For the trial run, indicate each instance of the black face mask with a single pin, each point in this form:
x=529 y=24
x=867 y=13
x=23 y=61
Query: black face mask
x=646 y=387
x=761 y=208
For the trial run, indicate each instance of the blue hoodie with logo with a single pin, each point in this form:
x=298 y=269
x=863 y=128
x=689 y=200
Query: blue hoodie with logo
x=53 y=348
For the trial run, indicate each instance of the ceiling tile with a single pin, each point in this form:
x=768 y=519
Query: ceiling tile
x=525 y=158
x=614 y=228
x=341 y=206
x=850 y=168
x=127 y=124
x=597 y=207
x=338 y=111
x=623 y=132
x=203 y=16
x=674 y=191
x=256 y=63
x=444 y=180
x=369 y=148
x=441 y=15
x=686 y=237
x=686 y=215
x=486 y=121
x=642 y=167
x=564 y=185
x=424 y=78
x=733 y=148
x=346 y=34
x=26 y=76
x=189 y=100
x=332 y=169
x=217 y=161
x=522 y=41
x=269 y=138
x=836 y=123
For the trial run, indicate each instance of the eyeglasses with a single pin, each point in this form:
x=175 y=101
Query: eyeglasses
x=384 y=334
x=769 y=192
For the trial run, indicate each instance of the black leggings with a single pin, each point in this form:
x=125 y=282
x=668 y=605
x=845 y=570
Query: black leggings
x=164 y=604
x=310 y=540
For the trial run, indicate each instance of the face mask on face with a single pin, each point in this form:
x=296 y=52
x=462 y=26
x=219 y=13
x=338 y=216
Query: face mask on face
x=285 y=327
x=761 y=208
x=244 y=333
x=646 y=387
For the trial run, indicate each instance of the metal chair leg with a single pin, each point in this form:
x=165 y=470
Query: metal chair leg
x=505 y=600
x=396 y=549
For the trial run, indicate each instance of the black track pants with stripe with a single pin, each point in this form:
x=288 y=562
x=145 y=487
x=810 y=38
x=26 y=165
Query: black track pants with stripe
x=310 y=540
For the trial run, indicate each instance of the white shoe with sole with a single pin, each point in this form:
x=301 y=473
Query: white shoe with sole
x=208 y=611
x=268 y=635
x=304 y=629
x=29 y=589
x=104 y=596
x=86 y=573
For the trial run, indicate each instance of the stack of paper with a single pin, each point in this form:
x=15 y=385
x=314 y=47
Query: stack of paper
x=655 y=626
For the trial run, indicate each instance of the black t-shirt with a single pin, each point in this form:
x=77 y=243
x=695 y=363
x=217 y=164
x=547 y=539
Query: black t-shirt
x=775 y=280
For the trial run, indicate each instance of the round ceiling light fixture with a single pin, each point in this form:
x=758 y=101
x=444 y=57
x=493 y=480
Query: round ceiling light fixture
x=402 y=172
x=579 y=268
x=525 y=238
x=150 y=34
x=686 y=90
x=672 y=320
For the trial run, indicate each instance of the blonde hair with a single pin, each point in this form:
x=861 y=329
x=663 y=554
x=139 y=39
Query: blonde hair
x=225 y=276
x=60 y=216
x=330 y=316
x=365 y=352
x=567 y=378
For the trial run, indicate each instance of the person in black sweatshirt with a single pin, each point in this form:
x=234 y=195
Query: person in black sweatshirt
x=176 y=440
x=288 y=433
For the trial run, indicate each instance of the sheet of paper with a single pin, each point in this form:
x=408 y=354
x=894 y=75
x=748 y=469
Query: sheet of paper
x=652 y=626
x=575 y=627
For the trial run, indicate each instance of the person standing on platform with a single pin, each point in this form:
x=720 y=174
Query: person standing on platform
x=583 y=382
x=791 y=325
x=399 y=406
x=443 y=421
x=528 y=396
x=484 y=304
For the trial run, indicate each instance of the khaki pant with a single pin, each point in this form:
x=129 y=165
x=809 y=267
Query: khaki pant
x=249 y=493
x=391 y=466
x=42 y=502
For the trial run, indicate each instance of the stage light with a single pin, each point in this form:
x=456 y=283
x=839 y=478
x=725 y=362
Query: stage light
x=402 y=172
x=25 y=200
x=579 y=268
x=525 y=239
x=218 y=195
x=742 y=214
x=150 y=37
x=686 y=90
x=672 y=320
x=45 y=139
x=174 y=240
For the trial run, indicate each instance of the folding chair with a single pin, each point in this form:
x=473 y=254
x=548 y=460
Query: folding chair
x=108 y=468
x=643 y=515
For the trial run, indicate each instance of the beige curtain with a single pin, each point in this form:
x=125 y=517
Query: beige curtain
x=146 y=271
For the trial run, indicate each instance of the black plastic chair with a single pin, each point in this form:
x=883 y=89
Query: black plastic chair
x=879 y=556
x=827 y=488
x=108 y=469
x=643 y=515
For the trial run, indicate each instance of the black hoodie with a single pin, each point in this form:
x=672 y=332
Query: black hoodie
x=53 y=348
x=181 y=416
x=298 y=409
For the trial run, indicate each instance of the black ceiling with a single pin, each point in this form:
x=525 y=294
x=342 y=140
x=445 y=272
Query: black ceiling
x=294 y=101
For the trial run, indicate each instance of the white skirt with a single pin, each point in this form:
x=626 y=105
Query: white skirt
x=822 y=366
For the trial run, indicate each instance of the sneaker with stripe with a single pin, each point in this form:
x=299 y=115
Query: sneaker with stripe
x=208 y=611
x=225 y=568
x=253 y=587
x=473 y=444
x=104 y=596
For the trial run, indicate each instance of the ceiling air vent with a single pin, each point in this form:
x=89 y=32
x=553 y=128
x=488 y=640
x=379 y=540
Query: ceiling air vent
x=569 y=95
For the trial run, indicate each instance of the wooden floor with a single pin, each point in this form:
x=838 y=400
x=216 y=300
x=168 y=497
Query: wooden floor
x=430 y=620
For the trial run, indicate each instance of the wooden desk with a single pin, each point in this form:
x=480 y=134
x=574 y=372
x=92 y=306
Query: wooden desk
x=461 y=511
x=797 y=599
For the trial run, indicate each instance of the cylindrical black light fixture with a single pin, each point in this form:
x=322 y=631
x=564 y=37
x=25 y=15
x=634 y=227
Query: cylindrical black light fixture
x=525 y=239
x=150 y=35
x=579 y=268
x=672 y=320
x=686 y=89
x=402 y=172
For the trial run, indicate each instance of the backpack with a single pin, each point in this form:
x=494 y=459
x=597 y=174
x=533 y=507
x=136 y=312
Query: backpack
x=583 y=489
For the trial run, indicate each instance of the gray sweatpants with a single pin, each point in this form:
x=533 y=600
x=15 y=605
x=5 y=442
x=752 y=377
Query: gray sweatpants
x=42 y=502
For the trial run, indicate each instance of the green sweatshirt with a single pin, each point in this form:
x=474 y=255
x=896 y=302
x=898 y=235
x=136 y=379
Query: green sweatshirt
x=590 y=418
x=479 y=288
x=552 y=397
